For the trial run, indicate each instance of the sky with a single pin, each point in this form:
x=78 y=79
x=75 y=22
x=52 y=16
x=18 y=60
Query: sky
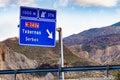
x=73 y=16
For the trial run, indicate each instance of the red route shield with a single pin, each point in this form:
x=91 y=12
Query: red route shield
x=32 y=24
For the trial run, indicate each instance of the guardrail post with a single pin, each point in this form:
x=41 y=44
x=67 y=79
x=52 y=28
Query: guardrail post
x=107 y=71
x=15 y=74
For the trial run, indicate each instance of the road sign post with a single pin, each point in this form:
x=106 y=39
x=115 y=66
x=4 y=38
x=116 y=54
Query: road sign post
x=37 y=27
x=61 y=59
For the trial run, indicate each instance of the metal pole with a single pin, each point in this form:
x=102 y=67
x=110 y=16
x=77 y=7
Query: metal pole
x=15 y=74
x=107 y=72
x=61 y=60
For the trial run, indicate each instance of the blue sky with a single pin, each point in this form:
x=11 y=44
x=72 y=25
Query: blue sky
x=73 y=16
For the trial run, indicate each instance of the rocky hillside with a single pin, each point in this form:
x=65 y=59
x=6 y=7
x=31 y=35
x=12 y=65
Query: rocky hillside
x=99 y=44
x=45 y=55
x=110 y=55
x=14 y=56
x=86 y=36
x=13 y=60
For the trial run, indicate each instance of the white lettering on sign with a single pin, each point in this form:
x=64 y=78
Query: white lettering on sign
x=50 y=15
x=43 y=14
x=31 y=32
x=27 y=12
x=34 y=13
x=31 y=39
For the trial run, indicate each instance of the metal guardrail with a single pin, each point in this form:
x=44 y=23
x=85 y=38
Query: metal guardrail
x=25 y=71
x=64 y=69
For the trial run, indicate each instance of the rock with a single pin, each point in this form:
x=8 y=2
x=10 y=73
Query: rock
x=13 y=60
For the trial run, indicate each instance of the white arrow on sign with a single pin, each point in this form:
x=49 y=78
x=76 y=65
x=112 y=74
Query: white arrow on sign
x=49 y=34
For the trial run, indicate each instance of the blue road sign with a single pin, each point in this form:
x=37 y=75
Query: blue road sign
x=28 y=12
x=37 y=27
x=47 y=14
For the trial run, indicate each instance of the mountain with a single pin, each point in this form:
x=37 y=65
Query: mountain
x=116 y=24
x=91 y=47
x=14 y=56
x=87 y=35
x=99 y=44
x=47 y=55
x=13 y=60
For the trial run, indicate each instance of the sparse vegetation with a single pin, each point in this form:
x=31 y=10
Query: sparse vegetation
x=117 y=76
x=45 y=65
x=87 y=48
x=44 y=54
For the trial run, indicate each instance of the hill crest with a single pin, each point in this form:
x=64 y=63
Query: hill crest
x=100 y=44
x=85 y=36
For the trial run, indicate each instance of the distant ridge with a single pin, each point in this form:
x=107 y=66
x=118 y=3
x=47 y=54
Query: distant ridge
x=116 y=24
x=99 y=44
x=86 y=36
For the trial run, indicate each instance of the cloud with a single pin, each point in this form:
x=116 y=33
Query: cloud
x=26 y=2
x=3 y=3
x=6 y=3
x=62 y=3
x=118 y=11
x=104 y=3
